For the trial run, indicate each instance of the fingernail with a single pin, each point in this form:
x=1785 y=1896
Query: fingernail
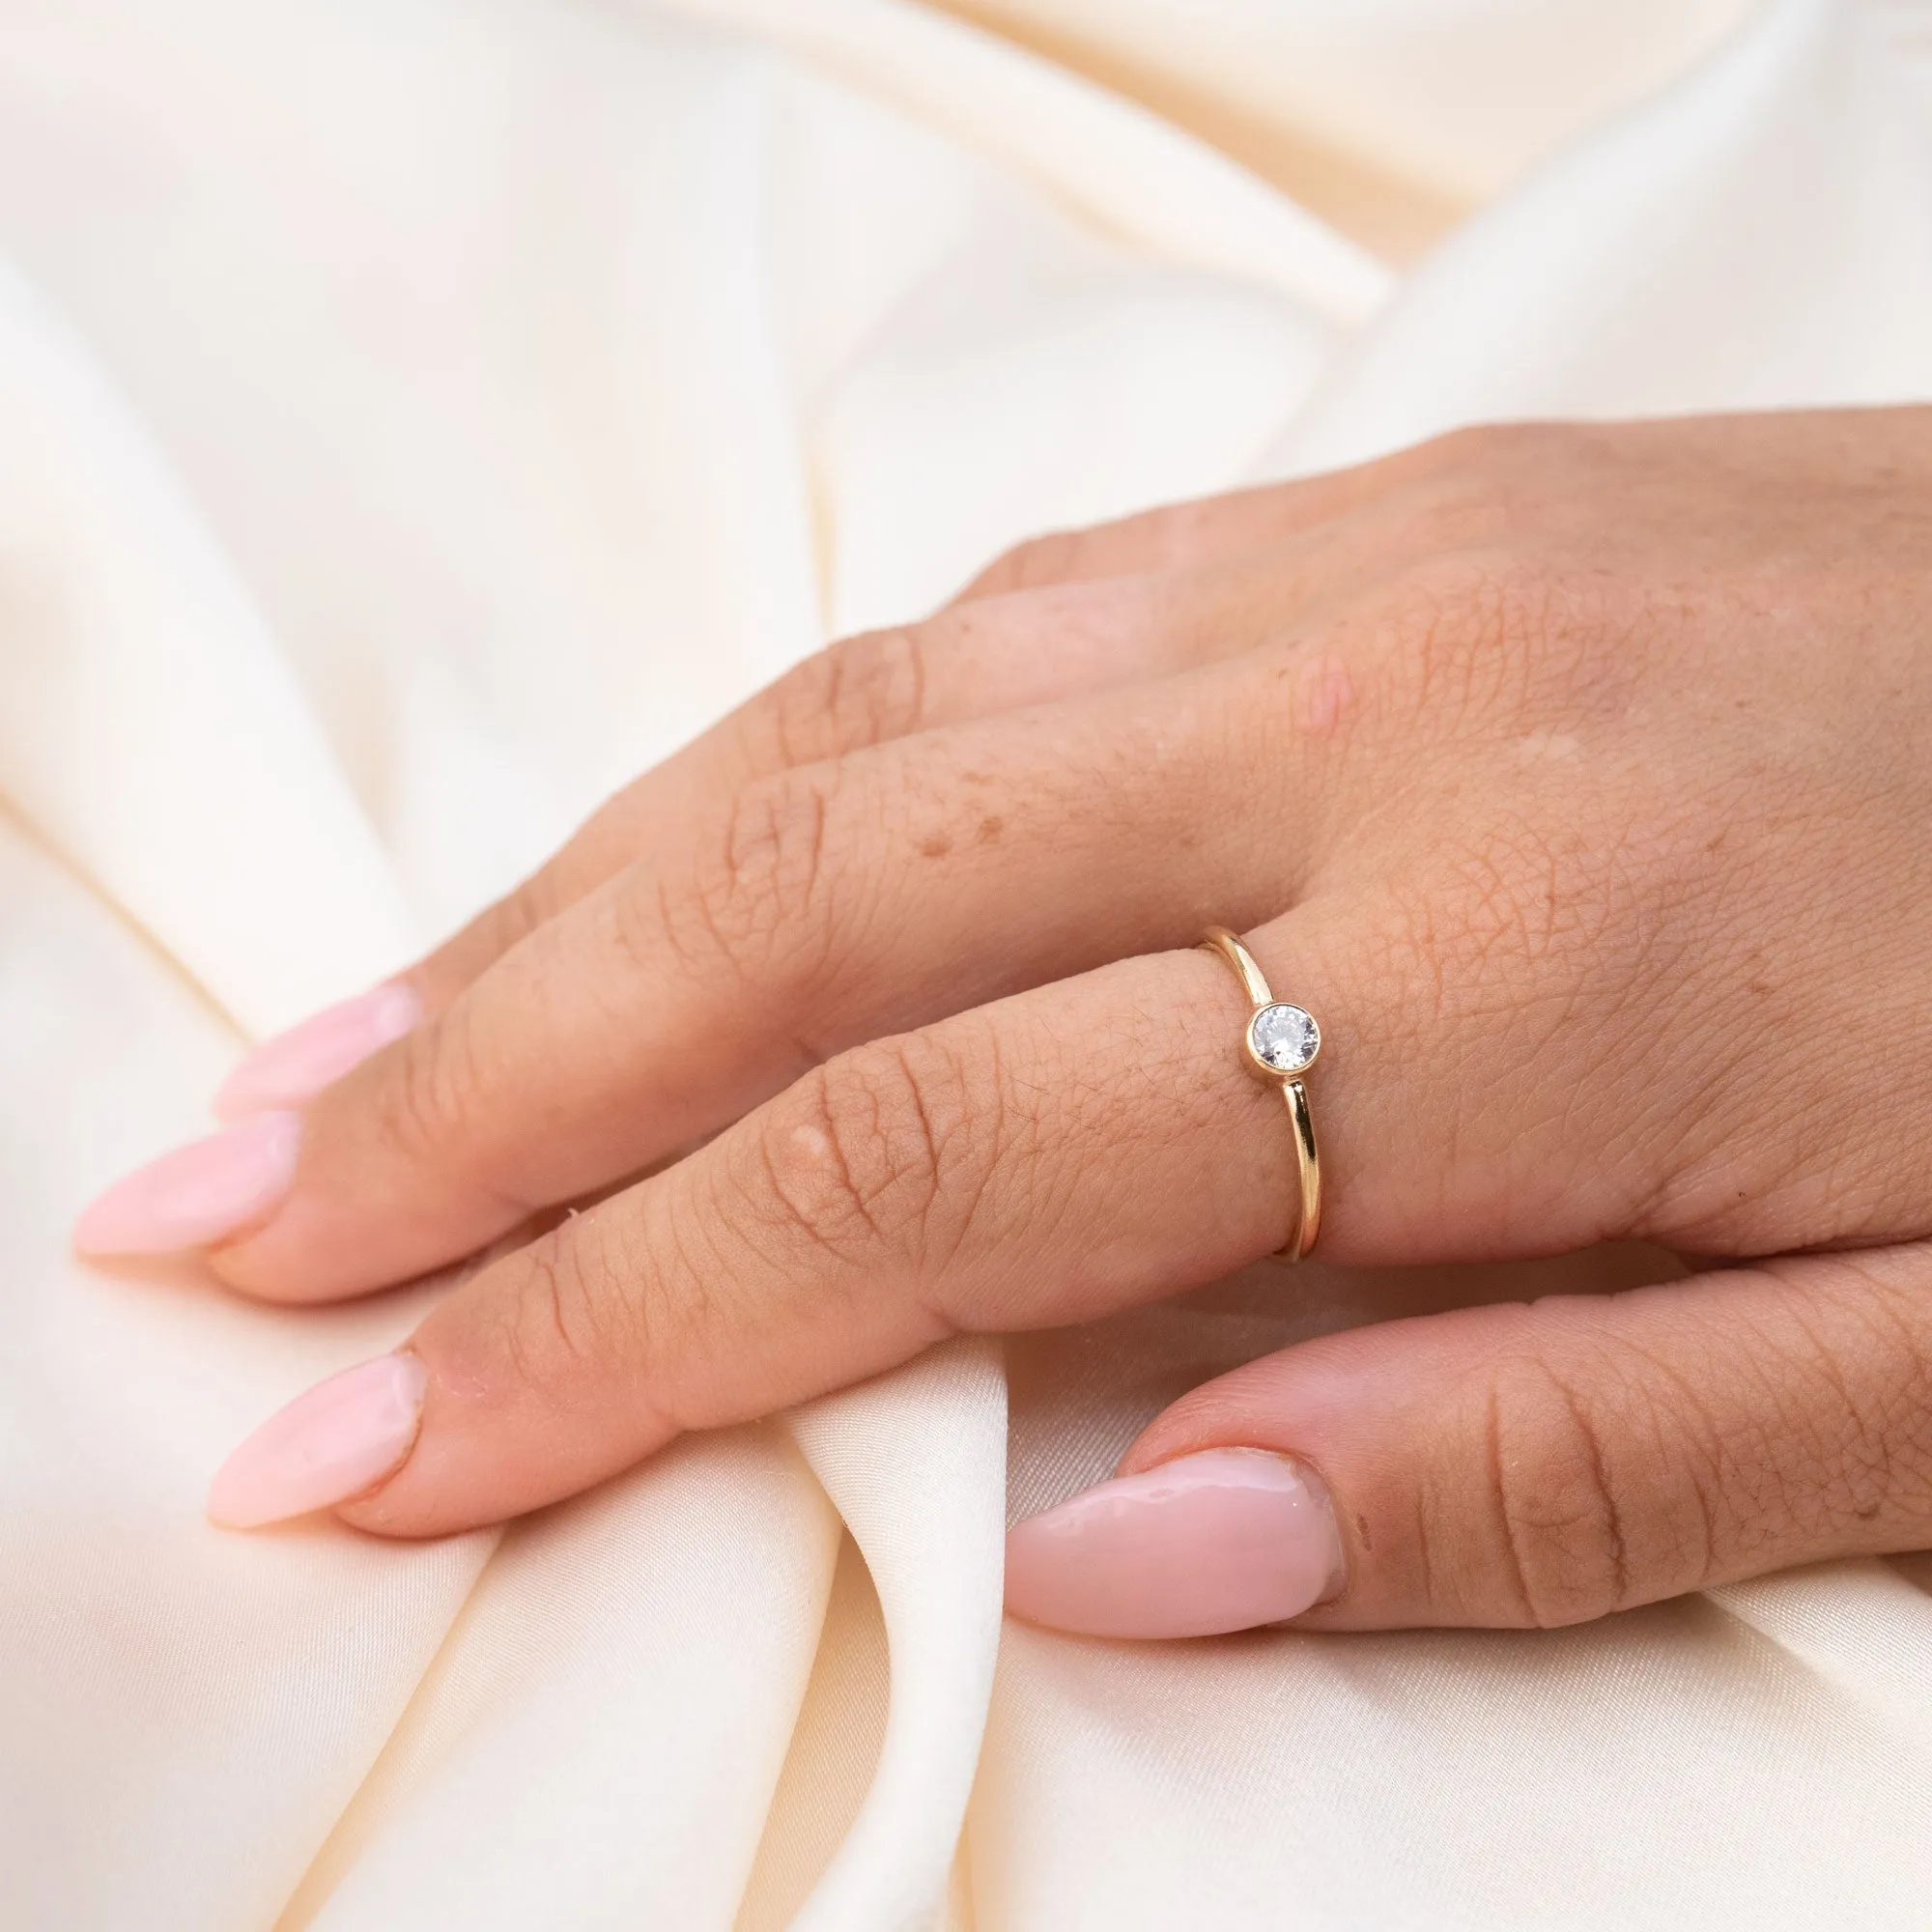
x=197 y=1194
x=335 y=1442
x=1221 y=1539
x=296 y=1065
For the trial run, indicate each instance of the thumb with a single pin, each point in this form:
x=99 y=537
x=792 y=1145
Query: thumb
x=1517 y=1465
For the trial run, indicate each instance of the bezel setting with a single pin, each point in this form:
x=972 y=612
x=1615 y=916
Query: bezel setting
x=1283 y=1039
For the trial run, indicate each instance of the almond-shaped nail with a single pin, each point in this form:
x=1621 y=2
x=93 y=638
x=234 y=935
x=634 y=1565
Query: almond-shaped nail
x=341 y=1437
x=1221 y=1539
x=197 y=1194
x=296 y=1065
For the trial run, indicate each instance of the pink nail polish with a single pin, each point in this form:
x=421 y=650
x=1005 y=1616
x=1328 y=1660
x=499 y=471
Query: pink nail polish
x=1221 y=1539
x=296 y=1065
x=341 y=1437
x=197 y=1194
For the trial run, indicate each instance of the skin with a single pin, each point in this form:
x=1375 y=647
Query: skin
x=1576 y=777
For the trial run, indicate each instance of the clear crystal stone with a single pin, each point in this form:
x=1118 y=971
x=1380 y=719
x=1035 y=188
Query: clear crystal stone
x=1285 y=1038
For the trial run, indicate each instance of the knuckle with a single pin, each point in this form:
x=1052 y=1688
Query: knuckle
x=1495 y=448
x=507 y=922
x=758 y=898
x=859 y=691
x=632 y=920
x=538 y=900
x=1454 y=624
x=1455 y=945
x=1053 y=557
x=1170 y=536
x=582 y=1304
x=439 y=1109
x=1502 y=638
x=1555 y=1519
x=439 y=1085
x=882 y=1153
x=1462 y=458
x=557 y=1321
x=531 y=903
x=1854 y=1358
x=1514 y=927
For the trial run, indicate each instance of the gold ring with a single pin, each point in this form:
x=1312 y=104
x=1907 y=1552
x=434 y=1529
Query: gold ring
x=1280 y=1043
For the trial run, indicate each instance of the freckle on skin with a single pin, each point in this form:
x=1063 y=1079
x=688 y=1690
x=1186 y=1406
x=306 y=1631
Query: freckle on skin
x=990 y=829
x=1548 y=745
x=935 y=847
x=1326 y=692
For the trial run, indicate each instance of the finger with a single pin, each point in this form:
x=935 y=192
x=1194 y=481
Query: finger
x=860 y=692
x=841 y=904
x=1517 y=1465
x=1066 y=1151
x=1000 y=654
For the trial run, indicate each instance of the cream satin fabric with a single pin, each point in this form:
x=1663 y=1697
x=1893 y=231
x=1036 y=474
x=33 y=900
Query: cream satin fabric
x=418 y=416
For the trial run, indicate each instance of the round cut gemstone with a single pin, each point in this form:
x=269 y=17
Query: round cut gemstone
x=1285 y=1038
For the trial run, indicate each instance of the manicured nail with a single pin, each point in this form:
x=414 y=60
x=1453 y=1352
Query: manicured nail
x=340 y=1438
x=197 y=1194
x=296 y=1065
x=1221 y=1539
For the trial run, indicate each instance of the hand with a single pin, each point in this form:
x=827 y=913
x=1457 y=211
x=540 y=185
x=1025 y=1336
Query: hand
x=1578 y=779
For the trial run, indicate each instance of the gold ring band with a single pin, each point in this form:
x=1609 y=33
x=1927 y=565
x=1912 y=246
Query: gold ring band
x=1280 y=1043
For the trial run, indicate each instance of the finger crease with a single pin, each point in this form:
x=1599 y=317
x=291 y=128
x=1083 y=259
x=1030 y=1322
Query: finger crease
x=1512 y=1546
x=1600 y=1479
